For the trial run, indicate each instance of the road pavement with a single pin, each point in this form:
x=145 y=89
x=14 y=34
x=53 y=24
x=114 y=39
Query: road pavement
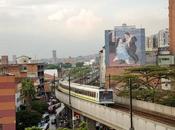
x=52 y=117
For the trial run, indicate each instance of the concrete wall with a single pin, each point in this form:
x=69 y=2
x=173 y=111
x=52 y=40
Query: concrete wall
x=147 y=105
x=110 y=117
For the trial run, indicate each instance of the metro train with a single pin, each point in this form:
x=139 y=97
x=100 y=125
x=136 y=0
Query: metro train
x=86 y=92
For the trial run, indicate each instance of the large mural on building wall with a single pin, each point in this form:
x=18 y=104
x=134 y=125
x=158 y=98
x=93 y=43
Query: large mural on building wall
x=125 y=47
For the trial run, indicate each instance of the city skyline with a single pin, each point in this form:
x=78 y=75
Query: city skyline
x=35 y=28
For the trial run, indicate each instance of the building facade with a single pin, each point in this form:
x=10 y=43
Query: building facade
x=151 y=43
x=4 y=60
x=172 y=26
x=7 y=102
x=125 y=46
x=163 y=38
x=102 y=66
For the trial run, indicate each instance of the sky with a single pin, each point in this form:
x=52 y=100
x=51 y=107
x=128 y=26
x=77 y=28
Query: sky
x=72 y=27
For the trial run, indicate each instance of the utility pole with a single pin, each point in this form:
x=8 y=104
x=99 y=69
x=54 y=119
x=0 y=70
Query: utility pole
x=131 y=109
x=69 y=91
x=109 y=81
x=53 y=89
x=72 y=119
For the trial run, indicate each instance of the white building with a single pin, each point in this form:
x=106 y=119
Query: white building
x=151 y=43
x=163 y=38
x=23 y=60
x=102 y=67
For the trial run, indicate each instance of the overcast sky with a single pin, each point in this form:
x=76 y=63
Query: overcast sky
x=72 y=27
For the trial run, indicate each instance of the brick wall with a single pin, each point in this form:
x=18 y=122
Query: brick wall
x=172 y=25
x=7 y=102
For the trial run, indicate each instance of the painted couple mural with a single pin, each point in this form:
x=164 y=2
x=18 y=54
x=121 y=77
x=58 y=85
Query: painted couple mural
x=126 y=49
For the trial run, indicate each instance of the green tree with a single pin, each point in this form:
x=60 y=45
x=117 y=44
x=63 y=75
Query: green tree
x=146 y=81
x=28 y=91
x=52 y=66
x=67 y=65
x=33 y=128
x=83 y=126
x=63 y=129
x=26 y=119
x=79 y=64
x=39 y=106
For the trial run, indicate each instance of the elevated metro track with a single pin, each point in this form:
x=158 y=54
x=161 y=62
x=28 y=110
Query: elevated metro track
x=117 y=117
x=162 y=118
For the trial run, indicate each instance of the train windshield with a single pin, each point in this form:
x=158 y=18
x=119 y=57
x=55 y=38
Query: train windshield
x=106 y=96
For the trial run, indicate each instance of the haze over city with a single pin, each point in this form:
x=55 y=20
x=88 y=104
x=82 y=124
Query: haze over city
x=73 y=28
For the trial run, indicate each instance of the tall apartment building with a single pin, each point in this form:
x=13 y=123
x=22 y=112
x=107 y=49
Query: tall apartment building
x=163 y=38
x=4 y=60
x=7 y=102
x=14 y=61
x=54 y=56
x=151 y=43
x=102 y=67
x=136 y=49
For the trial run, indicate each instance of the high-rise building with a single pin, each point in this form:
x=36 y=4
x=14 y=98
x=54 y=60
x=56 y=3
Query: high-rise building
x=102 y=66
x=54 y=54
x=4 y=60
x=151 y=43
x=125 y=46
x=163 y=38
x=14 y=59
x=172 y=26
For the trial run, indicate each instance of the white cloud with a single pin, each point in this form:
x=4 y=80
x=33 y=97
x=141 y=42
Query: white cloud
x=3 y=3
x=76 y=21
x=85 y=19
x=61 y=15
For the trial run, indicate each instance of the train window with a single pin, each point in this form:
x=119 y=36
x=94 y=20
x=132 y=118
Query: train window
x=106 y=96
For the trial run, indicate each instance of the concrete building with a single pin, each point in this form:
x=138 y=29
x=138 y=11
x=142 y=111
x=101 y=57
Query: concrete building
x=23 y=60
x=163 y=38
x=135 y=53
x=102 y=67
x=7 y=102
x=14 y=61
x=32 y=71
x=172 y=26
x=54 y=56
x=4 y=60
x=151 y=43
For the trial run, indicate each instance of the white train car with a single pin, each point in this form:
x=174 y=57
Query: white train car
x=87 y=92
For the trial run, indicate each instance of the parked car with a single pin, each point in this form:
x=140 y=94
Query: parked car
x=52 y=108
x=45 y=117
x=53 y=121
x=44 y=126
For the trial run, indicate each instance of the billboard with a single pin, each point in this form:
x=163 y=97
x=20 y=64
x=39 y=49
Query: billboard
x=125 y=46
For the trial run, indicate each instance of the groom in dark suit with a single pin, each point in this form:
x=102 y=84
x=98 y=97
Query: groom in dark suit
x=131 y=46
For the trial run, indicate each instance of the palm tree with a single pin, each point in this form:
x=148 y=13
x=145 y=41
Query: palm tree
x=28 y=91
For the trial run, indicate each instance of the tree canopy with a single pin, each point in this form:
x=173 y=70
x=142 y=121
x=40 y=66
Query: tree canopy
x=146 y=76
x=26 y=119
x=147 y=83
x=28 y=90
x=39 y=106
x=33 y=128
